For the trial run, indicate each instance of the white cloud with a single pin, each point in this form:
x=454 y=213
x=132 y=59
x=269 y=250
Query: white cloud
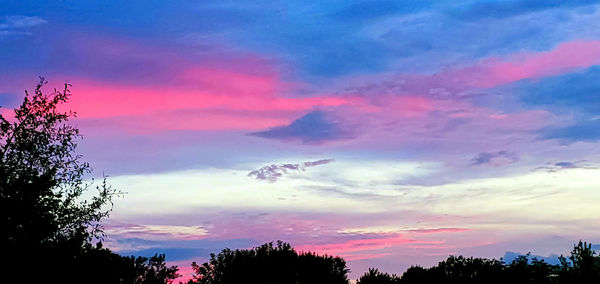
x=19 y=22
x=17 y=25
x=508 y=206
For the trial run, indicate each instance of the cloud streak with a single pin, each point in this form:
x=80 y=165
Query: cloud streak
x=274 y=172
x=19 y=22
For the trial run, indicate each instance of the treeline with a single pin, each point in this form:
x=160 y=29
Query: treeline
x=281 y=264
x=582 y=266
x=269 y=263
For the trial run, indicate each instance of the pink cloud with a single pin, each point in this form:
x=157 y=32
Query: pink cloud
x=439 y=230
x=363 y=256
x=7 y=113
x=206 y=99
x=362 y=245
x=404 y=104
x=492 y=72
x=485 y=73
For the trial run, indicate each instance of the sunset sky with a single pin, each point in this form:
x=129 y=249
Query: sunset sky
x=390 y=133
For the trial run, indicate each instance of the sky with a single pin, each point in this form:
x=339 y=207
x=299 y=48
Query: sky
x=391 y=133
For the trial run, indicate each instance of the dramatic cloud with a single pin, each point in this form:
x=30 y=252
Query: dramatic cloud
x=433 y=110
x=275 y=171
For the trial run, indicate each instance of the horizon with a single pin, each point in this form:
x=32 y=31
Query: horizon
x=389 y=134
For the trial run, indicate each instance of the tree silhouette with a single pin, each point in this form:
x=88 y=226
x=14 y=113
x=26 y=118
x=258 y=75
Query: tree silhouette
x=99 y=265
x=374 y=276
x=458 y=269
x=524 y=270
x=154 y=270
x=417 y=274
x=50 y=217
x=584 y=266
x=270 y=264
x=42 y=178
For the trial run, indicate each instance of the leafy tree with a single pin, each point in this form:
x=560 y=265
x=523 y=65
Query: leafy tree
x=524 y=270
x=42 y=178
x=313 y=268
x=51 y=219
x=458 y=269
x=153 y=270
x=373 y=276
x=417 y=274
x=270 y=264
x=584 y=265
x=96 y=264
x=49 y=214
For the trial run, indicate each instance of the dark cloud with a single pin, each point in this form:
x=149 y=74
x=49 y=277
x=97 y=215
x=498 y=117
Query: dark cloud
x=180 y=249
x=574 y=94
x=565 y=165
x=562 y=165
x=577 y=90
x=275 y=171
x=497 y=158
x=313 y=128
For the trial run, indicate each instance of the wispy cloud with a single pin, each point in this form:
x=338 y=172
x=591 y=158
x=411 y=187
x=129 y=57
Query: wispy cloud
x=16 y=25
x=155 y=232
x=16 y=22
x=275 y=171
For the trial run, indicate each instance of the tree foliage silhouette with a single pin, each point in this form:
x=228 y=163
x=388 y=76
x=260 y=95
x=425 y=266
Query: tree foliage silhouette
x=100 y=265
x=374 y=276
x=42 y=178
x=270 y=264
x=153 y=270
x=582 y=266
x=51 y=217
